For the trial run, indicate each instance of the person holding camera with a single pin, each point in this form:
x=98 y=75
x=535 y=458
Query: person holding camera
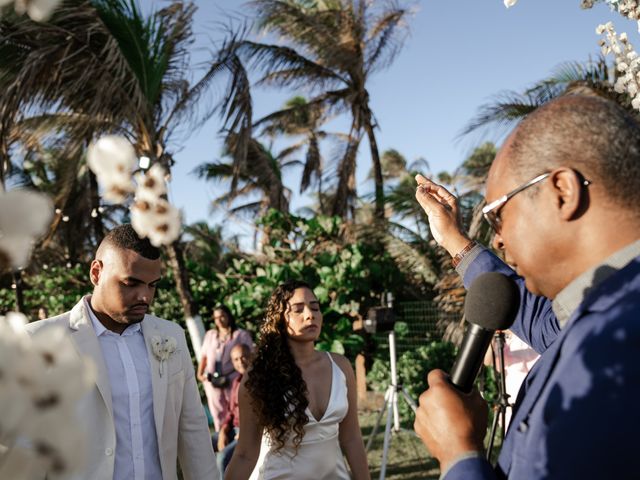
x=215 y=369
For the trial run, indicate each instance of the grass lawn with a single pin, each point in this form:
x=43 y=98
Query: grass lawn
x=407 y=458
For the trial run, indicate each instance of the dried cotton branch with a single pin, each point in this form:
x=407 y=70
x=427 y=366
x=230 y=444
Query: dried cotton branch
x=113 y=160
x=626 y=61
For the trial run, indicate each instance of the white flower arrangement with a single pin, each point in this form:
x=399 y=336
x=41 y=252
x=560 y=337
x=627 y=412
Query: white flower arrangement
x=626 y=60
x=40 y=386
x=163 y=348
x=113 y=160
x=24 y=216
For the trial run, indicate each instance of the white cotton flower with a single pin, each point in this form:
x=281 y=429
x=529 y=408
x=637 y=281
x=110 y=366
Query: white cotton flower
x=151 y=184
x=158 y=220
x=110 y=153
x=58 y=448
x=41 y=382
x=116 y=191
x=600 y=29
x=17 y=321
x=113 y=160
x=41 y=10
x=19 y=462
x=510 y=3
x=25 y=211
x=167 y=224
x=64 y=379
x=635 y=103
x=142 y=219
x=622 y=67
x=13 y=397
x=4 y=3
x=15 y=251
x=24 y=217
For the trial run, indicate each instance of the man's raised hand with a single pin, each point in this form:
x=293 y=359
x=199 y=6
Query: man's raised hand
x=441 y=207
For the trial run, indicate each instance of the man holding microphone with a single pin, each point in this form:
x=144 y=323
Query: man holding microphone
x=563 y=198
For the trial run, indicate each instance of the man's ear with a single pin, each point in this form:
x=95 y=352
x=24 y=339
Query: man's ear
x=94 y=271
x=568 y=188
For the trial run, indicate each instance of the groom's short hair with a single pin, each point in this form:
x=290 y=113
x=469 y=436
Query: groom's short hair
x=125 y=237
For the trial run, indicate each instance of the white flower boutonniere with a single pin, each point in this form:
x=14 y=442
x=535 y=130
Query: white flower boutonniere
x=163 y=348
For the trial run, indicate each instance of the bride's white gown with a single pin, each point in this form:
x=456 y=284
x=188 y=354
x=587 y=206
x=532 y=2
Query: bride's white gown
x=319 y=456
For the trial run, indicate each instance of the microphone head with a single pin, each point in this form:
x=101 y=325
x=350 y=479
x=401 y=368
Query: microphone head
x=492 y=301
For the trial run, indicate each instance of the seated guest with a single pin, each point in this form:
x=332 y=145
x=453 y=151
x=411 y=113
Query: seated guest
x=215 y=370
x=225 y=440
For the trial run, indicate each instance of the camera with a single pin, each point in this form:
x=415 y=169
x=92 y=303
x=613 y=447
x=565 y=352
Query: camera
x=218 y=380
x=379 y=319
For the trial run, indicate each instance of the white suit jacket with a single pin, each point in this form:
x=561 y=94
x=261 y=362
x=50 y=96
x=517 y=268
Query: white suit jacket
x=181 y=424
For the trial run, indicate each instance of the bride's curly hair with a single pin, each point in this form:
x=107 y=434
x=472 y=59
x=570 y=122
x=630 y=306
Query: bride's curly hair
x=278 y=392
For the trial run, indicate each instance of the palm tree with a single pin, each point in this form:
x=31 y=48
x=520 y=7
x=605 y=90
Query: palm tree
x=330 y=47
x=297 y=119
x=104 y=67
x=508 y=108
x=205 y=246
x=260 y=173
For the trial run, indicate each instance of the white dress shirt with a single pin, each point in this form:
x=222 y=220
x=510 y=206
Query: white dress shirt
x=136 y=455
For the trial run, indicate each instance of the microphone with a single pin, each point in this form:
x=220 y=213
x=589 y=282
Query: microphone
x=491 y=304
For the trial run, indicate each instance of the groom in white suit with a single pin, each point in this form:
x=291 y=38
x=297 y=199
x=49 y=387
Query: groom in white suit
x=145 y=411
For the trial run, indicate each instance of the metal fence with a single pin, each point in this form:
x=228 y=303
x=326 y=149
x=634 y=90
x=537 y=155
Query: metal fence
x=424 y=322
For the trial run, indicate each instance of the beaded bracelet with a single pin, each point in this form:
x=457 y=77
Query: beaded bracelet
x=462 y=253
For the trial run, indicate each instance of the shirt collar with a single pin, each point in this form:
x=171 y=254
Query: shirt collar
x=100 y=329
x=571 y=296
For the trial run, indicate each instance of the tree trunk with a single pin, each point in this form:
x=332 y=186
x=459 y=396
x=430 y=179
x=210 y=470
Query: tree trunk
x=346 y=190
x=98 y=227
x=18 y=291
x=195 y=326
x=377 y=169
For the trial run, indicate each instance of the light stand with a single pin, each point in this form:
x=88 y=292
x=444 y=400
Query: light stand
x=500 y=408
x=390 y=403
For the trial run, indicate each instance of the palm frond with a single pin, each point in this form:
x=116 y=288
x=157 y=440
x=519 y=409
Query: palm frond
x=385 y=39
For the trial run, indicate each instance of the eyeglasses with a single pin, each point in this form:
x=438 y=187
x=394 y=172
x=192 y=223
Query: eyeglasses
x=491 y=212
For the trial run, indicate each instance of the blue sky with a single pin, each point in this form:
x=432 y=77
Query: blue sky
x=458 y=55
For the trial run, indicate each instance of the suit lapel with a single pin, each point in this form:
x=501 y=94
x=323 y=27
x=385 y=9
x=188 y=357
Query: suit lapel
x=150 y=329
x=84 y=337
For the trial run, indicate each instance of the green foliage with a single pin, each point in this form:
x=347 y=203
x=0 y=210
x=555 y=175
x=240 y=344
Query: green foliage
x=413 y=366
x=57 y=289
x=348 y=273
x=348 y=276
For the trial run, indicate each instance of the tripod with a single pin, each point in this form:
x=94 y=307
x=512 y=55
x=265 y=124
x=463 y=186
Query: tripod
x=391 y=406
x=500 y=408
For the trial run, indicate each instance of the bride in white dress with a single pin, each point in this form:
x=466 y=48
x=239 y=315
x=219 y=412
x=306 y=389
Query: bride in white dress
x=298 y=411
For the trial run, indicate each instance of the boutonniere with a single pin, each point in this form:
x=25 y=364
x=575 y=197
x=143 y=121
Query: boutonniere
x=163 y=347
